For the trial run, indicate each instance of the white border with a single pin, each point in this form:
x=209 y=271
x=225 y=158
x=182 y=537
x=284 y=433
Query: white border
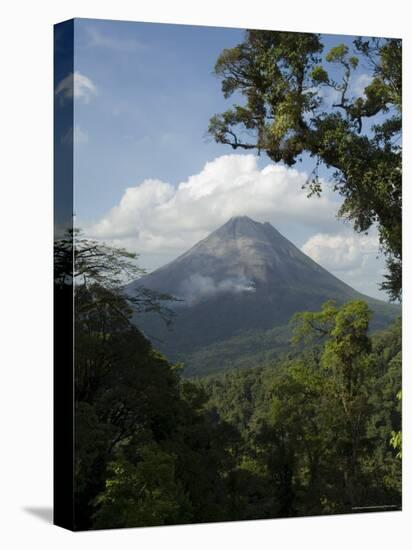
x=26 y=303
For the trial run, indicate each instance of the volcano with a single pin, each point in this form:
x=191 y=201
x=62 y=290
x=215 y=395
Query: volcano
x=237 y=291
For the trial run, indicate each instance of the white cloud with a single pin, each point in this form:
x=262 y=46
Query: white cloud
x=359 y=84
x=77 y=136
x=160 y=221
x=341 y=252
x=156 y=216
x=97 y=39
x=352 y=257
x=76 y=85
x=329 y=95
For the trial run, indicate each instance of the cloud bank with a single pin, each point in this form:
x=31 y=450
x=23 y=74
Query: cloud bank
x=156 y=215
x=160 y=221
x=342 y=252
x=352 y=257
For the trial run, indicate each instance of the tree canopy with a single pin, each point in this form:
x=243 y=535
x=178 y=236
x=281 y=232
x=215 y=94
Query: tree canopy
x=282 y=80
x=316 y=432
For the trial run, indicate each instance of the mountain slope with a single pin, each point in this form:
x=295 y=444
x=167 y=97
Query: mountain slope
x=244 y=278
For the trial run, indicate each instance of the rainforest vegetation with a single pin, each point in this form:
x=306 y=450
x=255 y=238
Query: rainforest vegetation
x=316 y=432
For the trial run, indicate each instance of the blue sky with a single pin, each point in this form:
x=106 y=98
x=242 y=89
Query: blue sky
x=156 y=93
x=145 y=93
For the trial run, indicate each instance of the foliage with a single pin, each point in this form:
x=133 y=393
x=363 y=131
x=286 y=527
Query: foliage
x=306 y=434
x=142 y=494
x=146 y=453
x=240 y=348
x=98 y=269
x=396 y=439
x=285 y=83
x=317 y=426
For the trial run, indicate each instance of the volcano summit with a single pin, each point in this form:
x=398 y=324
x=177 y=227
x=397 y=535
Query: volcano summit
x=239 y=288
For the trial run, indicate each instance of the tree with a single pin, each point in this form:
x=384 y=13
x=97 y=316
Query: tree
x=292 y=438
x=282 y=77
x=396 y=439
x=101 y=272
x=146 y=451
x=123 y=388
x=143 y=493
x=347 y=356
x=315 y=426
